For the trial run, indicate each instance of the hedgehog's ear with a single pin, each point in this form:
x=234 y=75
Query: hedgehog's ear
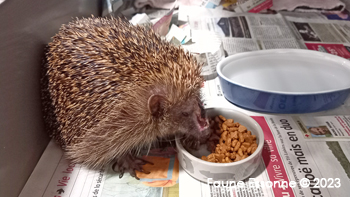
x=156 y=105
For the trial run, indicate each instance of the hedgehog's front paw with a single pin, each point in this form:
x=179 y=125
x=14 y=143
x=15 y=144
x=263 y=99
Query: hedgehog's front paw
x=130 y=164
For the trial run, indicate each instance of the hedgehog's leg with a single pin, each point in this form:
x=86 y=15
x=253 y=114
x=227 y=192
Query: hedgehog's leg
x=130 y=164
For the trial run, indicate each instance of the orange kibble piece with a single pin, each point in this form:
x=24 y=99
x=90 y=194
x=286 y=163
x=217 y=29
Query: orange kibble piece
x=235 y=143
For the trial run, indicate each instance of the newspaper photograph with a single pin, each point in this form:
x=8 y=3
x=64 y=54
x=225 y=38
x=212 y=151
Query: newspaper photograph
x=324 y=126
x=320 y=30
x=315 y=32
x=322 y=35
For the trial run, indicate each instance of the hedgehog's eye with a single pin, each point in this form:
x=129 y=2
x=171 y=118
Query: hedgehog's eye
x=185 y=114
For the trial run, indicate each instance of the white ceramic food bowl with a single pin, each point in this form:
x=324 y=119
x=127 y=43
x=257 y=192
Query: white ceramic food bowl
x=236 y=171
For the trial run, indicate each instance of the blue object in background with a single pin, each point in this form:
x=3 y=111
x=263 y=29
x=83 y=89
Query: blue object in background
x=344 y=15
x=285 y=80
x=280 y=103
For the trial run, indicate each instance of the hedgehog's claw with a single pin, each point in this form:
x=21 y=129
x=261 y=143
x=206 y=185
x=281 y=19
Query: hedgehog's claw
x=121 y=174
x=130 y=164
x=133 y=174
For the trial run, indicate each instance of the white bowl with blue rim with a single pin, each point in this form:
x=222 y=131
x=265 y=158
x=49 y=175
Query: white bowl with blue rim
x=285 y=80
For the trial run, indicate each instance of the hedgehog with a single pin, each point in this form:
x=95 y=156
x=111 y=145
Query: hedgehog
x=111 y=89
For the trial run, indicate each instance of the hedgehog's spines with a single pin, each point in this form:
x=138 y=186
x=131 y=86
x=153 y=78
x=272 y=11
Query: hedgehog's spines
x=96 y=67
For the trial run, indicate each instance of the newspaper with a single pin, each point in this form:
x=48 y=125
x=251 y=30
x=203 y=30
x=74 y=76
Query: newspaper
x=296 y=147
x=309 y=6
x=289 y=155
x=328 y=36
x=253 y=6
x=54 y=176
x=316 y=145
x=247 y=32
x=227 y=33
x=241 y=32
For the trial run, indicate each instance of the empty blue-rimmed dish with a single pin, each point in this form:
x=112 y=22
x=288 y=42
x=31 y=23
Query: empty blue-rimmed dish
x=285 y=80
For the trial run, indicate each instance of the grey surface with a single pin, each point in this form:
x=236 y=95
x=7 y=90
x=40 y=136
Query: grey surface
x=218 y=176
x=188 y=162
x=25 y=28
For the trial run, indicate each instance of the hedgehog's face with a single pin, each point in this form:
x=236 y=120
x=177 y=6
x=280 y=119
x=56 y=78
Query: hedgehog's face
x=187 y=117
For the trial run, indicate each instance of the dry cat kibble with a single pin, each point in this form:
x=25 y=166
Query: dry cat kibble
x=236 y=142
